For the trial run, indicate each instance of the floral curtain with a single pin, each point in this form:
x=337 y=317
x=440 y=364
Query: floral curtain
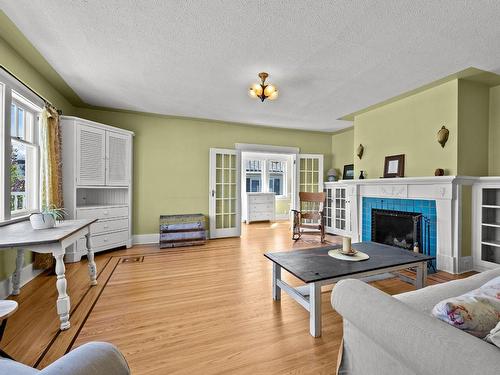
x=50 y=170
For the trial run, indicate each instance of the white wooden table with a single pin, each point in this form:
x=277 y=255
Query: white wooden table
x=22 y=236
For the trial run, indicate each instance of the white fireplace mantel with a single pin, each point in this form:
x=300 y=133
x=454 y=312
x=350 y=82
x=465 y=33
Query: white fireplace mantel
x=446 y=191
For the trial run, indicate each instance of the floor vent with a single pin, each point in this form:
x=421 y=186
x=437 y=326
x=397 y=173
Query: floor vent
x=132 y=260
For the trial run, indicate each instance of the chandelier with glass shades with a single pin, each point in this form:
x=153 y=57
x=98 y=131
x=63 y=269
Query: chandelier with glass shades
x=263 y=91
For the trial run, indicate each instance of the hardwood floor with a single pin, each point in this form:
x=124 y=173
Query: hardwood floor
x=198 y=310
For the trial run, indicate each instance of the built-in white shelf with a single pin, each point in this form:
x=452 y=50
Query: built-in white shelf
x=487 y=250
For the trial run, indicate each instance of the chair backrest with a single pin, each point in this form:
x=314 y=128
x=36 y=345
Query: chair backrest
x=311 y=204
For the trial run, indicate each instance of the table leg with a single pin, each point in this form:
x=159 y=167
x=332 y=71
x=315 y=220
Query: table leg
x=63 y=303
x=315 y=309
x=276 y=277
x=91 y=262
x=421 y=276
x=16 y=276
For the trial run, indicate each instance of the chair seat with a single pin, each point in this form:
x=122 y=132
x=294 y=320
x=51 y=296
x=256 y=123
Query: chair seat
x=311 y=226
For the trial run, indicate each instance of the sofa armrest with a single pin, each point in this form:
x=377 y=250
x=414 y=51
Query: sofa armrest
x=94 y=358
x=419 y=341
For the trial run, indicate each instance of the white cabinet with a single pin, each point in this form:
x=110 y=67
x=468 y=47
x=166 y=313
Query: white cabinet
x=90 y=152
x=337 y=210
x=97 y=175
x=117 y=159
x=259 y=207
x=486 y=231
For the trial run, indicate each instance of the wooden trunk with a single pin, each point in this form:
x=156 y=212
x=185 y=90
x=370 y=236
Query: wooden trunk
x=182 y=230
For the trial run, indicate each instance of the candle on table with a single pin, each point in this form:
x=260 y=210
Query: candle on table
x=346 y=244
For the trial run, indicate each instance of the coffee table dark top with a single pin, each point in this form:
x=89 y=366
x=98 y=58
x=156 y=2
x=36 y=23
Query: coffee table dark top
x=310 y=265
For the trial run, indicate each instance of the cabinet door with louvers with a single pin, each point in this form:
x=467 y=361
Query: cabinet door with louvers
x=90 y=160
x=117 y=159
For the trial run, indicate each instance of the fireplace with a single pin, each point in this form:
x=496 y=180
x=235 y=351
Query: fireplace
x=397 y=228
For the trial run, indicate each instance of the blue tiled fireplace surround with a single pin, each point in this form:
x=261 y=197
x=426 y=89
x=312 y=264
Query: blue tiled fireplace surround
x=425 y=207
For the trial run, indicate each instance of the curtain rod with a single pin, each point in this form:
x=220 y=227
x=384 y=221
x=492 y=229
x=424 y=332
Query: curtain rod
x=45 y=101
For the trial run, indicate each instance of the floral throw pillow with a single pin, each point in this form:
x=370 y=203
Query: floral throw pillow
x=476 y=312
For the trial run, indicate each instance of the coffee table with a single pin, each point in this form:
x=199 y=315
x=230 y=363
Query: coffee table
x=316 y=268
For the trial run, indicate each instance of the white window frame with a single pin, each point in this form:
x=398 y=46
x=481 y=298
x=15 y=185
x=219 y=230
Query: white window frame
x=13 y=90
x=264 y=173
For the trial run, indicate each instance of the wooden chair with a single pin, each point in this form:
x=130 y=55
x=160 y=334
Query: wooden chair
x=310 y=215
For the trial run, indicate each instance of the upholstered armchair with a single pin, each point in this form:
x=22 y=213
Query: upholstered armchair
x=94 y=358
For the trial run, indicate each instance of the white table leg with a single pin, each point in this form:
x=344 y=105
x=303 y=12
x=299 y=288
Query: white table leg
x=315 y=309
x=421 y=276
x=91 y=262
x=16 y=276
x=63 y=303
x=276 y=276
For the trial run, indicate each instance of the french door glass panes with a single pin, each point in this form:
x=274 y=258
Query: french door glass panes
x=328 y=207
x=225 y=191
x=225 y=200
x=309 y=173
x=340 y=208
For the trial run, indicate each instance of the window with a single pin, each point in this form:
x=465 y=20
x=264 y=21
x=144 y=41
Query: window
x=253 y=172
x=265 y=176
x=277 y=170
x=19 y=165
x=23 y=160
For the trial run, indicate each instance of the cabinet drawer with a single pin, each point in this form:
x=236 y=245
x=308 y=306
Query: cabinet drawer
x=108 y=226
x=260 y=216
x=262 y=207
x=108 y=239
x=101 y=213
x=252 y=199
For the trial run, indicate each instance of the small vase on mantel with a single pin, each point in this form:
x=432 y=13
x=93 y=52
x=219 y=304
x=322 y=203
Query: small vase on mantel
x=361 y=175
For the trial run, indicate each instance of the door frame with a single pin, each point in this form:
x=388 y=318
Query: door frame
x=321 y=158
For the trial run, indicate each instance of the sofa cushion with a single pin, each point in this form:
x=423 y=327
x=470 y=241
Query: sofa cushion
x=426 y=298
x=476 y=312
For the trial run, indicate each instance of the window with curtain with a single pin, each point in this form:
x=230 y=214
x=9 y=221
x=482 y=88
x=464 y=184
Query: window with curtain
x=19 y=163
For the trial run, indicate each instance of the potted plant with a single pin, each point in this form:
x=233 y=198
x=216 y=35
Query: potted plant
x=47 y=218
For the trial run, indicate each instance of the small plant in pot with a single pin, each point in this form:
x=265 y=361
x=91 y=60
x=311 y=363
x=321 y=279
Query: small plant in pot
x=47 y=218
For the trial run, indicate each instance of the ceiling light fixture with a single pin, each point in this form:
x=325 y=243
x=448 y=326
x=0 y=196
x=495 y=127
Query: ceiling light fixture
x=263 y=91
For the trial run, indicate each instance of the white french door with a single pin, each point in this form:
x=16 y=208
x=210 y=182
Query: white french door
x=309 y=173
x=224 y=194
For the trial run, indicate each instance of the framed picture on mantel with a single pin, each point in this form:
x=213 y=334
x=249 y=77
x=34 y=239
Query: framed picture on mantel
x=348 y=172
x=394 y=166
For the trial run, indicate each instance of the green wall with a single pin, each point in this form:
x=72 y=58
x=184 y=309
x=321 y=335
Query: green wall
x=409 y=127
x=171 y=157
x=494 y=132
x=342 y=149
x=473 y=127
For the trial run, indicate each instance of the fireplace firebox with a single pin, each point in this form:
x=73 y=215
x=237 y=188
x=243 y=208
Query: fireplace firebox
x=397 y=228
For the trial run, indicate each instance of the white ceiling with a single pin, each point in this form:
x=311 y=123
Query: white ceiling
x=197 y=58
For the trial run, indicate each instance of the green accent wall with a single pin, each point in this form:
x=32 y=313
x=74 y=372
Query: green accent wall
x=494 y=132
x=473 y=128
x=343 y=149
x=409 y=126
x=171 y=158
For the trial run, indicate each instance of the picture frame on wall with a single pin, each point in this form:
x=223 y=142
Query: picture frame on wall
x=348 y=172
x=394 y=166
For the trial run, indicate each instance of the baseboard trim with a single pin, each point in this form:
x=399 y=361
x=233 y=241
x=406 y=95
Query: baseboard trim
x=465 y=264
x=144 y=239
x=27 y=274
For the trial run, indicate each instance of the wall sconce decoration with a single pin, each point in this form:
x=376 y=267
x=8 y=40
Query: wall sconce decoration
x=360 y=150
x=442 y=136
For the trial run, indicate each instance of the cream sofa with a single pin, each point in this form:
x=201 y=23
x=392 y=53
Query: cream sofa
x=93 y=358
x=398 y=336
